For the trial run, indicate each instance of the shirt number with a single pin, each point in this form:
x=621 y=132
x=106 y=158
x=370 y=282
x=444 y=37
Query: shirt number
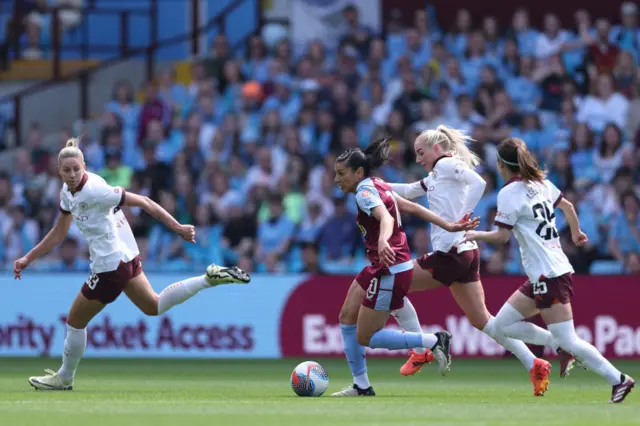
x=92 y=282
x=546 y=228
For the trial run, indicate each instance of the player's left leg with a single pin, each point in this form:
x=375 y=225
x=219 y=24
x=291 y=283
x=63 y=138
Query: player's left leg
x=510 y=320
x=559 y=320
x=140 y=292
x=470 y=298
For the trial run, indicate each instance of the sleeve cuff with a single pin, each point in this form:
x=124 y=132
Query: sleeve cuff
x=560 y=197
x=123 y=198
x=502 y=225
x=63 y=211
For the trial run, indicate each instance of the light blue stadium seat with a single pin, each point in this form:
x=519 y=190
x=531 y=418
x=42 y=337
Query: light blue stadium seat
x=606 y=267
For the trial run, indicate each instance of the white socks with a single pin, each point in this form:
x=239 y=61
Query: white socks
x=516 y=347
x=179 y=292
x=510 y=322
x=428 y=340
x=565 y=334
x=407 y=319
x=74 y=345
x=362 y=381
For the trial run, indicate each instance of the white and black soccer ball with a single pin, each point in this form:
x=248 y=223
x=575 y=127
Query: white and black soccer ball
x=309 y=379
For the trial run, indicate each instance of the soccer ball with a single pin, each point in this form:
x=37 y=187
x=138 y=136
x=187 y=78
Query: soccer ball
x=309 y=379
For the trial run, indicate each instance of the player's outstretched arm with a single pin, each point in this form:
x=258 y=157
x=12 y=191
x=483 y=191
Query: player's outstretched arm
x=425 y=214
x=410 y=191
x=579 y=238
x=187 y=232
x=52 y=239
x=499 y=236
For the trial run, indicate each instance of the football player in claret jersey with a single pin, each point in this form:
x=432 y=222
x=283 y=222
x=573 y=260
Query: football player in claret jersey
x=453 y=189
x=380 y=288
x=94 y=206
x=525 y=207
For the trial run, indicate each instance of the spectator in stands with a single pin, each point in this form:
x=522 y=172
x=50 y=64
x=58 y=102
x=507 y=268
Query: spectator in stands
x=625 y=231
x=173 y=94
x=352 y=31
x=153 y=108
x=339 y=239
x=525 y=36
x=115 y=173
x=20 y=233
x=609 y=157
x=632 y=264
x=39 y=156
x=605 y=106
x=311 y=263
x=627 y=35
x=70 y=259
x=275 y=234
x=39 y=22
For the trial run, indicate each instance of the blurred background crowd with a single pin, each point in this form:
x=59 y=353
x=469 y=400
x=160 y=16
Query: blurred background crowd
x=245 y=152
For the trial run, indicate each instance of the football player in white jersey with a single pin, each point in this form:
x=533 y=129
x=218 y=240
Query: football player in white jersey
x=94 y=206
x=453 y=189
x=525 y=206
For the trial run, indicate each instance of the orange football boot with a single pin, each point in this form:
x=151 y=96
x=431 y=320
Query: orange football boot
x=415 y=362
x=540 y=376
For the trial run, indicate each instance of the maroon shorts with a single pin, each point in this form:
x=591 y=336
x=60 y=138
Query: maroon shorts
x=452 y=267
x=549 y=291
x=107 y=286
x=384 y=291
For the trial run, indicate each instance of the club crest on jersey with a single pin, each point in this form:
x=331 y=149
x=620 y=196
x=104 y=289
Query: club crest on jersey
x=83 y=206
x=364 y=231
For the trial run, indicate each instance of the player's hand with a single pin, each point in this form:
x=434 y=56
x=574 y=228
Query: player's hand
x=386 y=253
x=580 y=239
x=469 y=236
x=19 y=266
x=465 y=224
x=188 y=233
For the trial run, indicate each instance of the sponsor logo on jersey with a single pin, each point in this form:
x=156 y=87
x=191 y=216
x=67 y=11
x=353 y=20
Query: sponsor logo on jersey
x=366 y=193
x=83 y=206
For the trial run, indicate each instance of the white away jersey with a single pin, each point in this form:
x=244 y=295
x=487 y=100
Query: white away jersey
x=453 y=190
x=95 y=208
x=527 y=208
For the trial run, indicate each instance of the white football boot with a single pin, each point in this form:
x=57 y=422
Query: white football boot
x=354 y=390
x=222 y=275
x=52 y=381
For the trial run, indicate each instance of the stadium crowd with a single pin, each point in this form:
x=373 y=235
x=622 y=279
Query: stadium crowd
x=246 y=151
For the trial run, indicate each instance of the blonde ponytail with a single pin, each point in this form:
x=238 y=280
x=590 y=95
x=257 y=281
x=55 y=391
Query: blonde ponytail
x=71 y=150
x=452 y=141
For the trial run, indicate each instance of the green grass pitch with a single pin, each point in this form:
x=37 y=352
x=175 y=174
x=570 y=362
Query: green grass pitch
x=219 y=392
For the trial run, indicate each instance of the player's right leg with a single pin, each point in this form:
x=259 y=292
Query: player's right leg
x=407 y=319
x=559 y=320
x=386 y=293
x=81 y=312
x=353 y=351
